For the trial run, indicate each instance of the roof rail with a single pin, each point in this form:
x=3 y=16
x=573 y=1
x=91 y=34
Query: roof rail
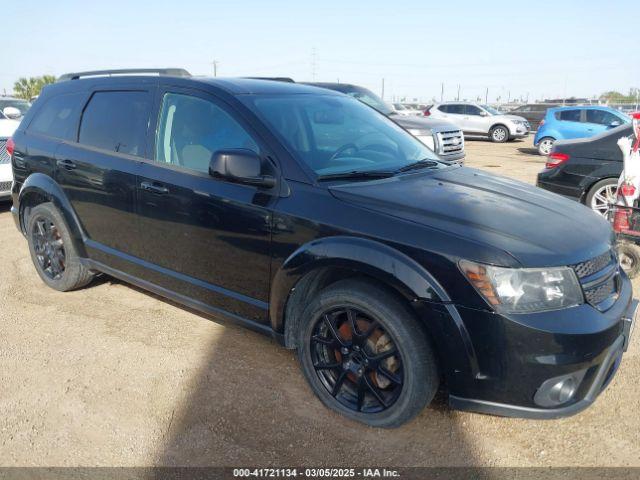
x=171 y=72
x=274 y=79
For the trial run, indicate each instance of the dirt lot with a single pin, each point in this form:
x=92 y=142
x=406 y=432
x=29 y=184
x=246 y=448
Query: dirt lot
x=111 y=375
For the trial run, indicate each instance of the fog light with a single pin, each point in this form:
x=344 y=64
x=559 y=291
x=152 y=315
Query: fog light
x=558 y=390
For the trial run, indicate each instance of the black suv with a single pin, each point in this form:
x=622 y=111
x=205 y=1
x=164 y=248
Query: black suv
x=305 y=215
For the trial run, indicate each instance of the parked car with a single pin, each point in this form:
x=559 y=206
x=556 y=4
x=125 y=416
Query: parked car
x=403 y=110
x=21 y=105
x=586 y=169
x=308 y=216
x=533 y=112
x=7 y=127
x=441 y=136
x=475 y=119
x=565 y=123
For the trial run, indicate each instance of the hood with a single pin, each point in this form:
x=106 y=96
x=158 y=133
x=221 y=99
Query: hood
x=513 y=117
x=7 y=127
x=423 y=123
x=536 y=227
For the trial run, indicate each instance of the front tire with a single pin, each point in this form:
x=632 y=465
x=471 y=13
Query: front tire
x=365 y=355
x=601 y=195
x=52 y=250
x=545 y=145
x=499 y=134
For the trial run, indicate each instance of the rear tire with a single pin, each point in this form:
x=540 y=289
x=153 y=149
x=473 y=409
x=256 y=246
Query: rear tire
x=499 y=134
x=52 y=250
x=545 y=145
x=629 y=255
x=340 y=354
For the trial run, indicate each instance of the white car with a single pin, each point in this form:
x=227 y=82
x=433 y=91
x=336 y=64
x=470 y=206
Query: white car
x=406 y=111
x=7 y=127
x=475 y=119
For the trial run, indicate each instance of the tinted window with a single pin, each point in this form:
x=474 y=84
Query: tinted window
x=116 y=121
x=568 y=115
x=444 y=108
x=191 y=129
x=57 y=117
x=602 y=117
x=455 y=108
x=472 y=110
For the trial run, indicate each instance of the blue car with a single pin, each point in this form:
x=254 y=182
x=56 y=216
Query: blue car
x=564 y=123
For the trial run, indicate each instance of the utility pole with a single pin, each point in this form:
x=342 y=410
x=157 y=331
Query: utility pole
x=486 y=96
x=313 y=63
x=215 y=67
x=382 y=95
x=442 y=93
x=458 y=97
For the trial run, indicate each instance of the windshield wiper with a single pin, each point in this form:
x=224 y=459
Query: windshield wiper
x=355 y=174
x=418 y=165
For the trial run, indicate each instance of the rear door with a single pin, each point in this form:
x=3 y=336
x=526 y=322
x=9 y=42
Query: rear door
x=455 y=112
x=571 y=124
x=98 y=171
x=204 y=238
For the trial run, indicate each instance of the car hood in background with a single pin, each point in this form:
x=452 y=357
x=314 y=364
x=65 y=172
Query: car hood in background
x=512 y=117
x=536 y=227
x=423 y=123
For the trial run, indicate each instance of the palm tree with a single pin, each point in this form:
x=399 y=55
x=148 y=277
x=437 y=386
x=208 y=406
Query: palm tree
x=28 y=88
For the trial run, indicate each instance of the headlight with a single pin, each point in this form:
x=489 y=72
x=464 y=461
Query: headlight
x=524 y=290
x=424 y=137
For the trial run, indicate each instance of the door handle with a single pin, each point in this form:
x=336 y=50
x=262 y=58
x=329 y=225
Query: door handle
x=66 y=164
x=154 y=188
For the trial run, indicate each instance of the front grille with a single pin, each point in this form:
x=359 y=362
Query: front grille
x=4 y=155
x=592 y=266
x=598 y=294
x=450 y=143
x=5 y=187
x=599 y=290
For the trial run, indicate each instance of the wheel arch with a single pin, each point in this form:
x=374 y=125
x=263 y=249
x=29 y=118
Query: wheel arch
x=320 y=262
x=40 y=188
x=587 y=187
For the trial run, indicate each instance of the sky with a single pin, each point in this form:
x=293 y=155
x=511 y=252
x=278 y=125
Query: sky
x=527 y=49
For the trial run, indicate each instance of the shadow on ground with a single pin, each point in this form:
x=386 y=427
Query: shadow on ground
x=249 y=405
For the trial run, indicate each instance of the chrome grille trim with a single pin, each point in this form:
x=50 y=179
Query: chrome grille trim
x=4 y=155
x=450 y=142
x=585 y=269
x=599 y=278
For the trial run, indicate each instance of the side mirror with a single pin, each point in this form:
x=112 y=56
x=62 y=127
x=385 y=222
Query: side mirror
x=11 y=112
x=484 y=114
x=240 y=166
x=615 y=123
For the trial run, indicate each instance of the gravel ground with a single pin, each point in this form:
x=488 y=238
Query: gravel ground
x=114 y=376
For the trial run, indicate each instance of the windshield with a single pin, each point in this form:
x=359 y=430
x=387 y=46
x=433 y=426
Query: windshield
x=491 y=110
x=336 y=134
x=21 y=105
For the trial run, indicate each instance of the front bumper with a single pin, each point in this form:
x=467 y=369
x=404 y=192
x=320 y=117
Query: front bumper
x=519 y=355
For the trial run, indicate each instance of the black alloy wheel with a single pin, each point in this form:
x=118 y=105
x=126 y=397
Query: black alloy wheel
x=356 y=360
x=48 y=246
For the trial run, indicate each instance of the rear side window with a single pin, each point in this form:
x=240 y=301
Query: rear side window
x=568 y=115
x=57 y=118
x=116 y=121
